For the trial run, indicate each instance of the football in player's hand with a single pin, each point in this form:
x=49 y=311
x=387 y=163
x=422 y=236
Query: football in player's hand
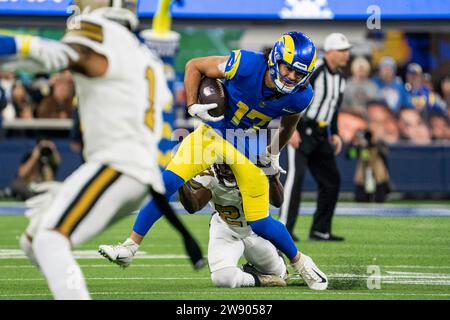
x=213 y=91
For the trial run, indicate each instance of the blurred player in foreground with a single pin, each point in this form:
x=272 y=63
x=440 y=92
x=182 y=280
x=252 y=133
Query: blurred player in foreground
x=259 y=88
x=122 y=90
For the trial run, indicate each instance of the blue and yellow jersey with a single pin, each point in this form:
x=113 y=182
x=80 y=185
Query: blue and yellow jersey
x=252 y=105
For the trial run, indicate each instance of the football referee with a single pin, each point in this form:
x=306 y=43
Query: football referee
x=316 y=143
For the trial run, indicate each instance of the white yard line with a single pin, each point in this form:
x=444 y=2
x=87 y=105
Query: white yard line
x=93 y=254
x=170 y=265
x=233 y=293
x=425 y=279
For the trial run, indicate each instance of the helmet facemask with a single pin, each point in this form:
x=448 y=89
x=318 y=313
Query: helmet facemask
x=297 y=52
x=286 y=85
x=225 y=175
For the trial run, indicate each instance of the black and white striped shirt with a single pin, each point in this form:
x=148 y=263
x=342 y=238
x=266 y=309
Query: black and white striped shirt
x=328 y=92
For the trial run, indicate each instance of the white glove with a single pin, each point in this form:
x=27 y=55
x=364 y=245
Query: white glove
x=272 y=163
x=52 y=54
x=201 y=111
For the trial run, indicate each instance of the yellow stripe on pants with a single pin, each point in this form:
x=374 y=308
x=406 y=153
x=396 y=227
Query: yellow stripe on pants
x=92 y=191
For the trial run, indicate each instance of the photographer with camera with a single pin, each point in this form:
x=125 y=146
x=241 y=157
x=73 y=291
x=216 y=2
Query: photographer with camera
x=371 y=174
x=39 y=165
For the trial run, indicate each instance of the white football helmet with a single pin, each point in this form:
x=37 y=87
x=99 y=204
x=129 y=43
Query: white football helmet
x=121 y=11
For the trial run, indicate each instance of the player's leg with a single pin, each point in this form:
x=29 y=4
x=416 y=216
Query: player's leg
x=189 y=160
x=224 y=251
x=36 y=207
x=264 y=256
x=89 y=200
x=254 y=187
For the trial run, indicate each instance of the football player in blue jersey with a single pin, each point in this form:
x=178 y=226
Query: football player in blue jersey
x=259 y=88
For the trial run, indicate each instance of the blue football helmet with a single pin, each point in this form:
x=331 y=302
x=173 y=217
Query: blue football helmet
x=297 y=51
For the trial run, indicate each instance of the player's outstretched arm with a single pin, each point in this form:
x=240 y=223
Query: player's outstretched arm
x=194 y=200
x=276 y=191
x=51 y=54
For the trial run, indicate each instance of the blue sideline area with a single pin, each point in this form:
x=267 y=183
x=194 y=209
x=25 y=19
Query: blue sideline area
x=412 y=168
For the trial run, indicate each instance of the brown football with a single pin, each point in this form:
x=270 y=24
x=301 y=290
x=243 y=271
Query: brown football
x=212 y=90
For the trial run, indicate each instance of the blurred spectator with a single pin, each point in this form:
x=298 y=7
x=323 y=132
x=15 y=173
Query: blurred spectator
x=444 y=88
x=3 y=100
x=423 y=99
x=7 y=80
x=22 y=102
x=428 y=81
x=439 y=125
x=58 y=104
x=76 y=136
x=390 y=87
x=412 y=127
x=39 y=87
x=383 y=123
x=371 y=175
x=3 y=103
x=39 y=165
x=350 y=121
x=360 y=89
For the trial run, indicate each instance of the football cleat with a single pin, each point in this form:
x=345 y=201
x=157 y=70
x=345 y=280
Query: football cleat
x=121 y=254
x=307 y=269
x=264 y=280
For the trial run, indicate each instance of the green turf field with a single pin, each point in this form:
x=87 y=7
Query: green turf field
x=412 y=253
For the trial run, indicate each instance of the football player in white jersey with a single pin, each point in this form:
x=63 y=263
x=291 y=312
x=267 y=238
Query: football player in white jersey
x=230 y=236
x=122 y=90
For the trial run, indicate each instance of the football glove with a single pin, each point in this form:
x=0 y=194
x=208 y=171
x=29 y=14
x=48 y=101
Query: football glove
x=201 y=111
x=52 y=54
x=271 y=162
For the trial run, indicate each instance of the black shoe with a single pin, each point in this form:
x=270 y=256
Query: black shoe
x=316 y=235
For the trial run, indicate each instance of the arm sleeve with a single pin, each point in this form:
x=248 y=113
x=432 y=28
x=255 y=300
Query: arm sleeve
x=7 y=45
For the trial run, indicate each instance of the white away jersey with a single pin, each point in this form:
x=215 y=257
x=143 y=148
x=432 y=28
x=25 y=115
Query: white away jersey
x=121 y=111
x=226 y=201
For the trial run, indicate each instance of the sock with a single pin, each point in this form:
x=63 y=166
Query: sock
x=150 y=213
x=25 y=245
x=275 y=232
x=63 y=274
x=303 y=258
x=133 y=246
x=232 y=277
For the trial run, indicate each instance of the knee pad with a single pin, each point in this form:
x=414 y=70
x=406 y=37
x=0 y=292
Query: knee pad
x=225 y=278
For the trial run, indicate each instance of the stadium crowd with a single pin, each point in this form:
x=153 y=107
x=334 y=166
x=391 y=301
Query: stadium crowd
x=414 y=110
